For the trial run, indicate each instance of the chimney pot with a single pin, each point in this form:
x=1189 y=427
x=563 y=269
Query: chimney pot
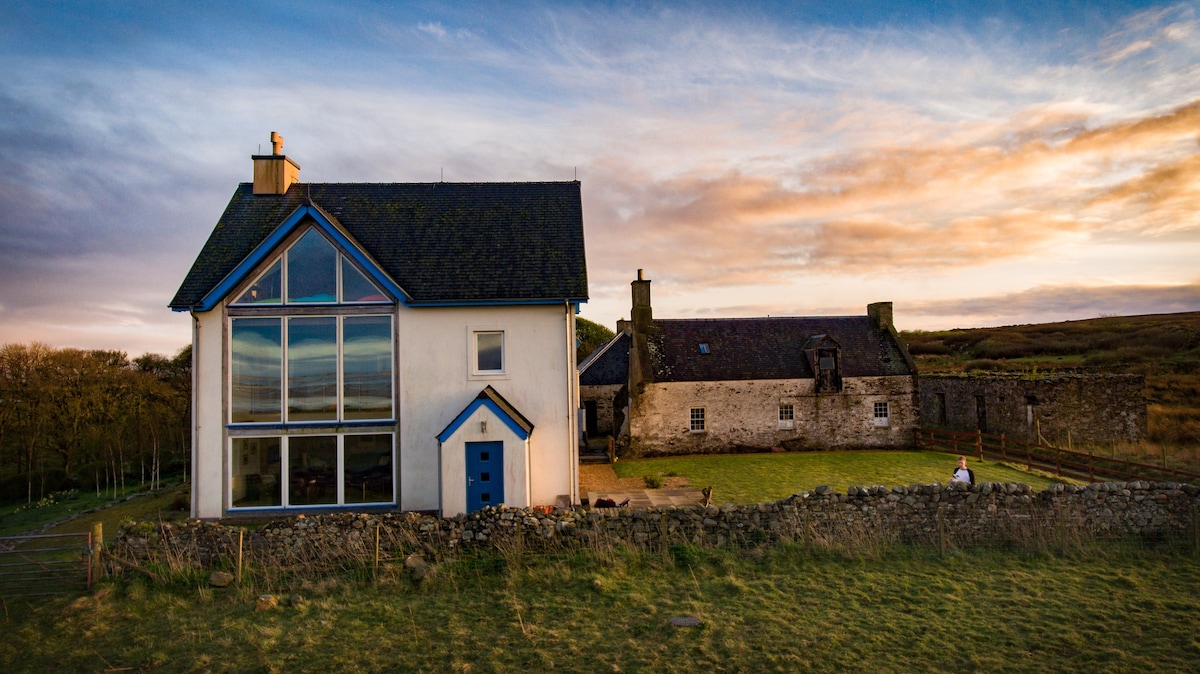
x=274 y=173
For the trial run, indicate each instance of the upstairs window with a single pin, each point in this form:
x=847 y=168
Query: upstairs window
x=300 y=369
x=489 y=352
x=312 y=271
x=829 y=371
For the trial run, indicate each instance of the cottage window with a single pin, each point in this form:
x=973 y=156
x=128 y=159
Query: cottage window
x=787 y=415
x=882 y=416
x=704 y=350
x=696 y=424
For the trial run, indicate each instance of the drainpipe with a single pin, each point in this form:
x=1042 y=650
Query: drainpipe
x=195 y=427
x=573 y=407
x=441 y=496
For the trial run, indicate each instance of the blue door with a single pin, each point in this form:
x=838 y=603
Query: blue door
x=485 y=474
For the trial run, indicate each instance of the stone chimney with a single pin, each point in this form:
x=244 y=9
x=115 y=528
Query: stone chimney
x=642 y=314
x=642 y=325
x=274 y=173
x=880 y=314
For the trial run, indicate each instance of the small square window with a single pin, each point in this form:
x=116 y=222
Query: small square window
x=697 y=420
x=704 y=348
x=787 y=415
x=882 y=417
x=489 y=352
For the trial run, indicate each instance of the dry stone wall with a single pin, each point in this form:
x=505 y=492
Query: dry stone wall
x=989 y=512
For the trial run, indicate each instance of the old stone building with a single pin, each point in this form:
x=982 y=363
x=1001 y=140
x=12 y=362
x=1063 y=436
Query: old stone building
x=1062 y=407
x=746 y=384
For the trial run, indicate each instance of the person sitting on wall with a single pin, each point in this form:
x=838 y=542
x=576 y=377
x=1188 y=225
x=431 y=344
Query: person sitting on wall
x=962 y=473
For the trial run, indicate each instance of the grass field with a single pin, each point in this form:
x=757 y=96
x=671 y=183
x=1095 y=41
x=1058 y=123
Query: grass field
x=74 y=515
x=754 y=478
x=785 y=609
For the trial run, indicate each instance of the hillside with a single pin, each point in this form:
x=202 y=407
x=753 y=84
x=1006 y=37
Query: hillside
x=1163 y=347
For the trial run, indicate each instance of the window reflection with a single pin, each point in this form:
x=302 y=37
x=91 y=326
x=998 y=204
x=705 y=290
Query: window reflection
x=312 y=270
x=256 y=369
x=312 y=369
x=367 y=367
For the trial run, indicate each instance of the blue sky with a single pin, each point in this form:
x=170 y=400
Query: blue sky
x=975 y=163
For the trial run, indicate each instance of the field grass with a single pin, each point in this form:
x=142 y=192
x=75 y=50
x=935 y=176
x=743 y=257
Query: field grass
x=754 y=478
x=782 y=609
x=73 y=513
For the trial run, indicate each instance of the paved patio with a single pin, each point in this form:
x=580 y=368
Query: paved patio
x=650 y=498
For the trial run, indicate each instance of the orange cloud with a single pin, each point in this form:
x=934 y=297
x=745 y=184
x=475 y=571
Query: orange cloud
x=1014 y=189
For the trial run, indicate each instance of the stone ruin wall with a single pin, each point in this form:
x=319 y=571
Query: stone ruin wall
x=1093 y=408
x=958 y=515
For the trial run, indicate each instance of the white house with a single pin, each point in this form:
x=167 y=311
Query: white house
x=388 y=345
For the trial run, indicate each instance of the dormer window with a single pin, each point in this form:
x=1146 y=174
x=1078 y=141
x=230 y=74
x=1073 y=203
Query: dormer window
x=312 y=271
x=829 y=371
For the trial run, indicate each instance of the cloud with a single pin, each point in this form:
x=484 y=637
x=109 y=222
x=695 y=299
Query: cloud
x=434 y=29
x=1061 y=302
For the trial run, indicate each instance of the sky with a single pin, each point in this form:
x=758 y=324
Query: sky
x=975 y=163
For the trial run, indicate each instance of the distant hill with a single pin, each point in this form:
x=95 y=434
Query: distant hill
x=1153 y=344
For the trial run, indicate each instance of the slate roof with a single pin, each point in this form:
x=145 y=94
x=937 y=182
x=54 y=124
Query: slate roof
x=768 y=348
x=608 y=364
x=440 y=242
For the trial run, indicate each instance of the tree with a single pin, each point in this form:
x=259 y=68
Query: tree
x=589 y=336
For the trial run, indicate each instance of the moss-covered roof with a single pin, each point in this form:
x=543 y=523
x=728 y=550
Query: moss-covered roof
x=440 y=242
x=769 y=348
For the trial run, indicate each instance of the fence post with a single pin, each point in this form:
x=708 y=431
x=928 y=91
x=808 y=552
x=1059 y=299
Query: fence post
x=979 y=443
x=241 y=539
x=97 y=547
x=375 y=570
x=1003 y=448
x=1196 y=529
x=941 y=531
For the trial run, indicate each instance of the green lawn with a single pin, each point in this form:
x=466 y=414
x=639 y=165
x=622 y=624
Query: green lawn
x=754 y=478
x=785 y=609
x=16 y=520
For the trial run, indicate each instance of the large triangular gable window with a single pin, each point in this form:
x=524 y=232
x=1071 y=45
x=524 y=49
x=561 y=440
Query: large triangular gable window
x=313 y=271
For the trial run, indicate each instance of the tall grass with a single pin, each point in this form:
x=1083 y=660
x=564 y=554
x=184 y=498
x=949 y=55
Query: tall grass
x=792 y=608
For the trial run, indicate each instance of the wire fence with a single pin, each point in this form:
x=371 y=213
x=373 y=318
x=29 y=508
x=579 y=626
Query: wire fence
x=1062 y=462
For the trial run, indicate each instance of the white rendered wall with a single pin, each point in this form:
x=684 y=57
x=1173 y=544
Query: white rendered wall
x=436 y=384
x=208 y=432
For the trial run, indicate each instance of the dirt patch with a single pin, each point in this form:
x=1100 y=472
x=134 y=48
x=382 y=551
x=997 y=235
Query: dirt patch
x=602 y=477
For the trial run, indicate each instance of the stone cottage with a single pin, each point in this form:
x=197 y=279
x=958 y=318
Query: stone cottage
x=752 y=384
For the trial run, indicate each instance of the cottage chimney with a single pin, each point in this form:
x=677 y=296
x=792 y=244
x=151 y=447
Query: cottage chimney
x=274 y=173
x=880 y=314
x=642 y=324
x=641 y=315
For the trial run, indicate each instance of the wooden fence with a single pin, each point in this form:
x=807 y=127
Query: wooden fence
x=1062 y=462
